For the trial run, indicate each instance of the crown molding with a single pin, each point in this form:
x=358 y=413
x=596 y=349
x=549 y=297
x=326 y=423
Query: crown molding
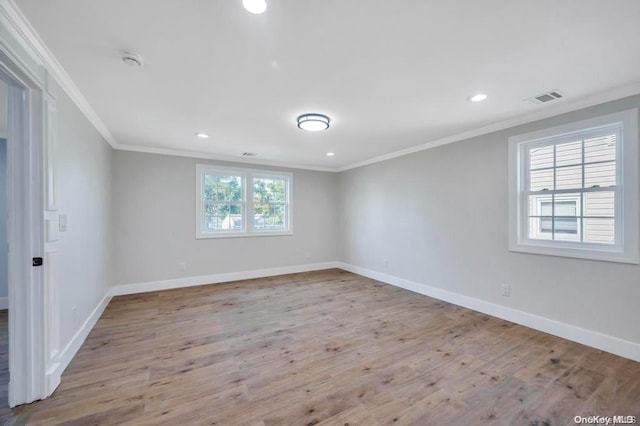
x=208 y=156
x=600 y=98
x=29 y=35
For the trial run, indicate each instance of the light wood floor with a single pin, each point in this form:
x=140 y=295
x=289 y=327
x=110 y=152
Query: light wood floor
x=329 y=348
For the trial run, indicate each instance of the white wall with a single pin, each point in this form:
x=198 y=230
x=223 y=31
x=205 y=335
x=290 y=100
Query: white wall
x=84 y=167
x=4 y=103
x=440 y=218
x=154 y=222
x=4 y=255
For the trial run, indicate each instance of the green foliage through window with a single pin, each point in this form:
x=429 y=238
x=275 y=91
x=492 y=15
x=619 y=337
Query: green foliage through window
x=269 y=198
x=224 y=206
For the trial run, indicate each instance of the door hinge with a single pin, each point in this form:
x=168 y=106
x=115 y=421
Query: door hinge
x=37 y=261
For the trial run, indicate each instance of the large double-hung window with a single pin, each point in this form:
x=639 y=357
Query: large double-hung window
x=574 y=189
x=242 y=202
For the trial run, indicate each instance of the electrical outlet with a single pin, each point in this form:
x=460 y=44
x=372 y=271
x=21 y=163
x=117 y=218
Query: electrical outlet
x=506 y=290
x=62 y=223
x=307 y=255
x=182 y=266
x=385 y=262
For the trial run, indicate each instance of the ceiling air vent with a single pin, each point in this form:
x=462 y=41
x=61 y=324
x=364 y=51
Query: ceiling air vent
x=543 y=98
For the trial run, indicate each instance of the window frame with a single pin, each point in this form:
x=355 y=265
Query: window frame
x=626 y=221
x=247 y=176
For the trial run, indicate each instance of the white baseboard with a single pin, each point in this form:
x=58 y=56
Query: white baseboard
x=4 y=303
x=55 y=371
x=144 y=287
x=586 y=337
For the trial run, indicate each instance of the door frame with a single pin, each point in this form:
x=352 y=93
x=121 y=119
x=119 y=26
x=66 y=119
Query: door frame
x=25 y=233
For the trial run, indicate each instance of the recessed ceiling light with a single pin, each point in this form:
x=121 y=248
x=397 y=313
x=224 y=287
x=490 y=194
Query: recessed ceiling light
x=331 y=154
x=313 y=122
x=478 y=97
x=255 y=6
x=202 y=135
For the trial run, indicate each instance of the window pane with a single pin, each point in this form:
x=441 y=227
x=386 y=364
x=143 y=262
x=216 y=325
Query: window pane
x=269 y=190
x=536 y=229
x=554 y=217
x=566 y=228
x=541 y=157
x=540 y=205
x=541 y=179
x=540 y=227
x=567 y=205
x=599 y=231
x=568 y=153
x=569 y=177
x=223 y=216
x=565 y=221
x=269 y=216
x=600 y=149
x=602 y=174
x=599 y=204
x=222 y=188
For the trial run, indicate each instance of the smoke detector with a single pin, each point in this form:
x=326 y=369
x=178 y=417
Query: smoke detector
x=132 y=59
x=543 y=98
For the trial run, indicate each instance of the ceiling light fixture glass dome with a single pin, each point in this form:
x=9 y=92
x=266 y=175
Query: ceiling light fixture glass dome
x=255 y=6
x=313 y=122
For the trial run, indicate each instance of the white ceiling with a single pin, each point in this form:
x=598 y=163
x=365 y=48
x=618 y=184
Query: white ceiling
x=390 y=74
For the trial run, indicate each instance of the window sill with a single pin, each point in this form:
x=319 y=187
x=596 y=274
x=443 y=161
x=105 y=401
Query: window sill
x=244 y=234
x=609 y=255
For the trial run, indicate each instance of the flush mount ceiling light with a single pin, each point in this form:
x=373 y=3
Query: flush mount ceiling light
x=132 y=59
x=313 y=122
x=202 y=135
x=478 y=97
x=255 y=6
x=331 y=154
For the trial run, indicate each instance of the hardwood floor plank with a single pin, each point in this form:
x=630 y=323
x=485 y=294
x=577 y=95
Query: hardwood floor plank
x=326 y=347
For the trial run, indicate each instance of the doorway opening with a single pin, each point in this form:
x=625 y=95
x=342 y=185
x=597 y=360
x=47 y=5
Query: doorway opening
x=24 y=233
x=4 y=255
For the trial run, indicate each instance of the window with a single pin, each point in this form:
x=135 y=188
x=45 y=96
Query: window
x=573 y=190
x=242 y=202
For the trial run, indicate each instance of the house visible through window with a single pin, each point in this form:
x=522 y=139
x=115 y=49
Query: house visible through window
x=242 y=202
x=565 y=223
x=573 y=190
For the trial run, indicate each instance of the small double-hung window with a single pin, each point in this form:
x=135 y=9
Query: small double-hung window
x=242 y=202
x=574 y=189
